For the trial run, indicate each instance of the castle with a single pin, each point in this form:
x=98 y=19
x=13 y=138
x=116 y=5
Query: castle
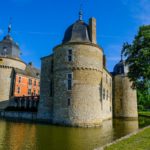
x=76 y=88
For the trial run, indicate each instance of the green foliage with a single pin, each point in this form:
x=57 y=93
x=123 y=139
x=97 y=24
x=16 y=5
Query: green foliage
x=143 y=100
x=138 y=59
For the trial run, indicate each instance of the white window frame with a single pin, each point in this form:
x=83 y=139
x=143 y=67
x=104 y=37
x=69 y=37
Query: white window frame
x=68 y=81
x=69 y=55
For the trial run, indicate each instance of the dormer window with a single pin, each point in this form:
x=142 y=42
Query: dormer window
x=5 y=51
x=69 y=55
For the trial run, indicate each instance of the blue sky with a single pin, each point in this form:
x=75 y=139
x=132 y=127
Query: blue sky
x=39 y=25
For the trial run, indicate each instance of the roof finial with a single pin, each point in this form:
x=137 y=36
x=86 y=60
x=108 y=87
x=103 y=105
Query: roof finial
x=9 y=26
x=81 y=13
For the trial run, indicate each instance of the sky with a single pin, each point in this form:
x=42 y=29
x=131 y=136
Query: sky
x=39 y=25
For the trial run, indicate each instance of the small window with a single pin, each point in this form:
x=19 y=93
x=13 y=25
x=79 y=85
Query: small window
x=30 y=81
x=69 y=102
x=34 y=92
x=29 y=91
x=5 y=51
x=34 y=82
x=69 y=81
x=18 y=90
x=19 y=80
x=107 y=95
x=69 y=55
x=106 y=78
x=103 y=93
x=52 y=66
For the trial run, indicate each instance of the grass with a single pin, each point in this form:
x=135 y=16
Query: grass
x=144 y=113
x=140 y=141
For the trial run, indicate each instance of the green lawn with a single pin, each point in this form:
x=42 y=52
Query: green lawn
x=140 y=141
x=144 y=113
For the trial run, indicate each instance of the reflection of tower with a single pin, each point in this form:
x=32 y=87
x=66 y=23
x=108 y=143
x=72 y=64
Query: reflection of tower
x=124 y=98
x=20 y=140
x=123 y=127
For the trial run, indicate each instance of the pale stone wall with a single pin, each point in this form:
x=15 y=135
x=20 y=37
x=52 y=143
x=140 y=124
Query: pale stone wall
x=107 y=99
x=6 y=79
x=10 y=62
x=125 y=98
x=46 y=100
x=85 y=104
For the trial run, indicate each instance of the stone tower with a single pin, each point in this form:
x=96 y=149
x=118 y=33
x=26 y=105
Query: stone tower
x=124 y=97
x=72 y=78
x=9 y=59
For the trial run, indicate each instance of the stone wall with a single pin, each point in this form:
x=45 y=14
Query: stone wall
x=10 y=62
x=125 y=98
x=85 y=104
x=46 y=100
x=106 y=93
x=6 y=79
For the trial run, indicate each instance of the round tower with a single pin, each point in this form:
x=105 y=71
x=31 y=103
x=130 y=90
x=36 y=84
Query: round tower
x=125 y=97
x=9 y=59
x=78 y=66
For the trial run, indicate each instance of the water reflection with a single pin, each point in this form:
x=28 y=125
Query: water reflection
x=20 y=136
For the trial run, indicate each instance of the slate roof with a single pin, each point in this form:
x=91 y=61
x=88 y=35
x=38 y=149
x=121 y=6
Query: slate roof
x=29 y=71
x=78 y=32
x=120 y=68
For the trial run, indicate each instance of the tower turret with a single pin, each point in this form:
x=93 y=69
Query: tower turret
x=124 y=98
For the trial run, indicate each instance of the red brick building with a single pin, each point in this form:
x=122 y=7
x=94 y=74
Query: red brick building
x=26 y=82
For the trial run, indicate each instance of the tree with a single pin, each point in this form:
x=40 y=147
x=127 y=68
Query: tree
x=138 y=59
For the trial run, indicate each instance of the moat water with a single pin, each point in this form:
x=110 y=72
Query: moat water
x=26 y=136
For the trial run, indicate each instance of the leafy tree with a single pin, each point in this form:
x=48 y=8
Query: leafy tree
x=138 y=59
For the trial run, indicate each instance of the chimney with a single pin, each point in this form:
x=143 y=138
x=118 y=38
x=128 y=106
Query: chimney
x=92 y=26
x=30 y=64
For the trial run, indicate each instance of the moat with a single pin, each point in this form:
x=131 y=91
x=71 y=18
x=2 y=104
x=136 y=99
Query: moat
x=26 y=136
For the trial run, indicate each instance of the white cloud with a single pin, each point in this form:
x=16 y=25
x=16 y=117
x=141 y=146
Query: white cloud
x=140 y=10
